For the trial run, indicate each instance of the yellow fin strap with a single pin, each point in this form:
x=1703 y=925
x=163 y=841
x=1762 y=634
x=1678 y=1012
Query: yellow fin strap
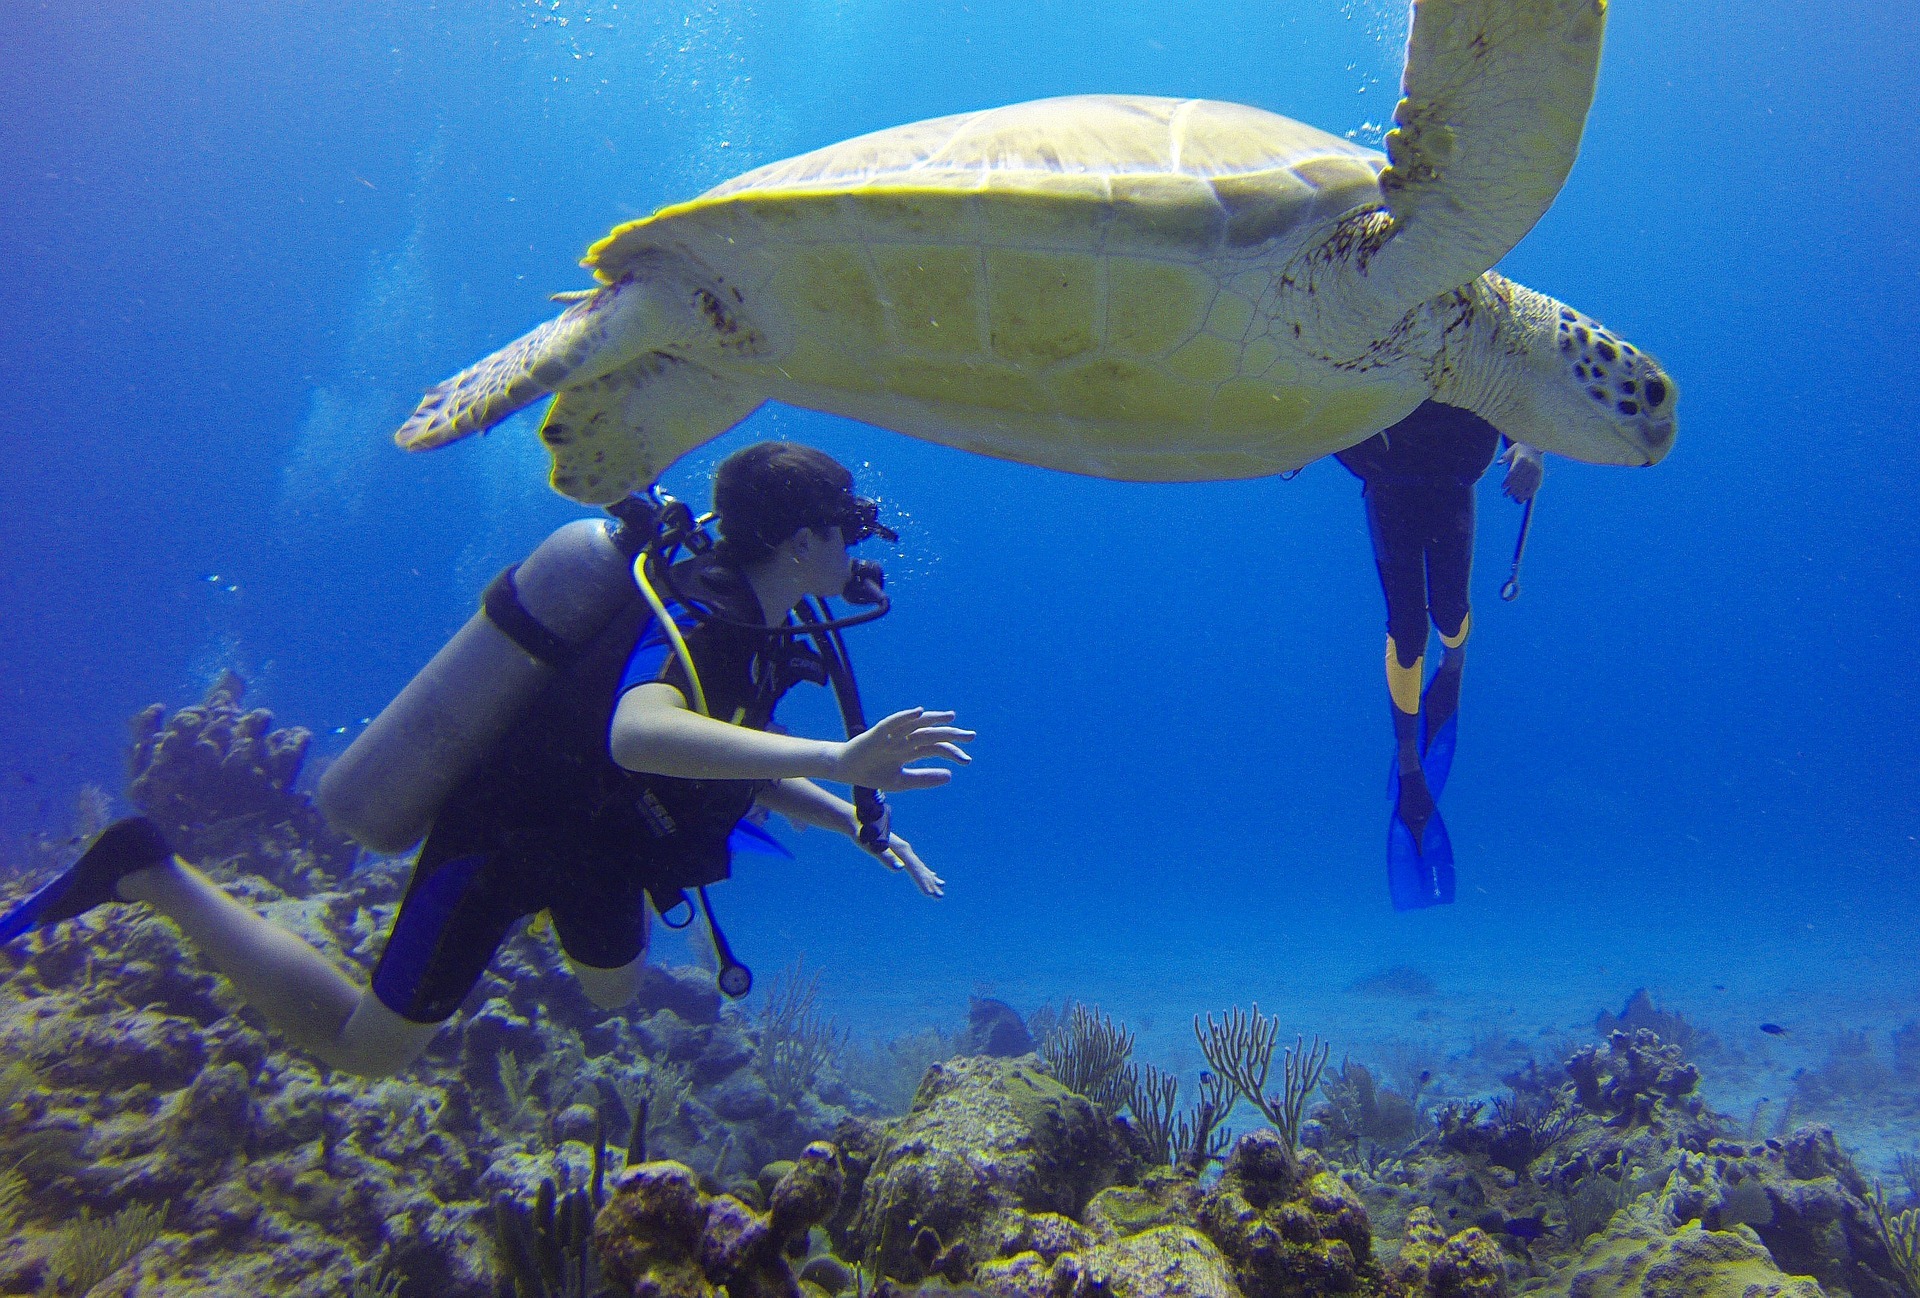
x=672 y=631
x=1404 y=682
x=1460 y=637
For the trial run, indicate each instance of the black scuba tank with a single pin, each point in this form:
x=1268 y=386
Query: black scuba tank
x=385 y=790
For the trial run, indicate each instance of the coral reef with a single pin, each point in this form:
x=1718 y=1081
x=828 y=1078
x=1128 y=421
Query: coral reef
x=1289 y=1227
x=150 y=1126
x=130 y=1077
x=993 y=1150
x=1633 y=1078
x=1641 y=1013
x=660 y=1236
x=996 y=1028
x=219 y=782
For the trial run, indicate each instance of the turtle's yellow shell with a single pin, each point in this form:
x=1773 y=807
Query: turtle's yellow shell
x=1086 y=283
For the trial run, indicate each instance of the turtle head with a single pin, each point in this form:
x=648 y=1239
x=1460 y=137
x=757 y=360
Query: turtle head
x=1587 y=394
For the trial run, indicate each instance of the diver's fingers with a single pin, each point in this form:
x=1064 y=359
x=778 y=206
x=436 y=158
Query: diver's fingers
x=921 y=777
x=924 y=879
x=953 y=733
x=906 y=722
x=948 y=751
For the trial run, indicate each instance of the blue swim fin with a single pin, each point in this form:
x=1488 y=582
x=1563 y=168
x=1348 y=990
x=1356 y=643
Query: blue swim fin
x=749 y=837
x=123 y=847
x=1436 y=752
x=1422 y=876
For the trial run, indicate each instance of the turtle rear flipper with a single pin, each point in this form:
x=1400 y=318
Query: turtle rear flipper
x=1493 y=104
x=619 y=433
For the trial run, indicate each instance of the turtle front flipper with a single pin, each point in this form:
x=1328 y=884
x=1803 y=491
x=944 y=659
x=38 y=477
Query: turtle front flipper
x=619 y=433
x=593 y=337
x=1494 y=101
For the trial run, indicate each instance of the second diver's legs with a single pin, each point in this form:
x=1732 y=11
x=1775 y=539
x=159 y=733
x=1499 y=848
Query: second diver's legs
x=305 y=996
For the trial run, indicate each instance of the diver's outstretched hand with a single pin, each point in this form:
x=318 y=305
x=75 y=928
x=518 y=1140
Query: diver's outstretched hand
x=880 y=757
x=1526 y=468
x=899 y=855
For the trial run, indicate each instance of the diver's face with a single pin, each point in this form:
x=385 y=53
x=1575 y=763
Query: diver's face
x=825 y=565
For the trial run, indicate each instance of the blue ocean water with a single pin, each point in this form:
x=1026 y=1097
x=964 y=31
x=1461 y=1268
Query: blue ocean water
x=241 y=239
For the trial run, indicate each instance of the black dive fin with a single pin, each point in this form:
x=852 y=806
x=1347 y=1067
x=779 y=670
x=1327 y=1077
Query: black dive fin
x=122 y=848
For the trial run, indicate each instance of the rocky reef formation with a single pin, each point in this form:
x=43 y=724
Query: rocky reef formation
x=131 y=1078
x=220 y=781
x=155 y=1138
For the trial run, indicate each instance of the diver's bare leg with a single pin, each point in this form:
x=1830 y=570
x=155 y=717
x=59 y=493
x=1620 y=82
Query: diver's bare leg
x=610 y=989
x=304 y=995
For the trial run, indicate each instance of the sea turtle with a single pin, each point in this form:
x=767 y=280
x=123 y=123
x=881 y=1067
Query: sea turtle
x=1128 y=287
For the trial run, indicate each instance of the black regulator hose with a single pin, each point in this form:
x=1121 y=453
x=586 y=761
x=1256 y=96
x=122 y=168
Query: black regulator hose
x=870 y=805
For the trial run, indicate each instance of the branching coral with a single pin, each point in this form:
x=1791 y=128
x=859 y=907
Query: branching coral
x=1187 y=1141
x=546 y=1249
x=1088 y=1054
x=376 y=1282
x=1364 y=1117
x=1240 y=1049
x=13 y=1193
x=796 y=1039
x=1900 y=1234
x=93 y=1248
x=1527 y=1125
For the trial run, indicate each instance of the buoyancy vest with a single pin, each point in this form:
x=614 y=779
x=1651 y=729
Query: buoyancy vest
x=554 y=774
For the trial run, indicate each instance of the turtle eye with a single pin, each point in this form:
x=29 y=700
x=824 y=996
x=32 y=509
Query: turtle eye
x=1656 y=394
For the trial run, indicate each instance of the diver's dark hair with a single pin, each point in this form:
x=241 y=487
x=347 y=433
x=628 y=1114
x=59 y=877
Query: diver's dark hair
x=770 y=490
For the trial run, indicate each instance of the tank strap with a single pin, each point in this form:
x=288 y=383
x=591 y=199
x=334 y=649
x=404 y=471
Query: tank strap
x=504 y=610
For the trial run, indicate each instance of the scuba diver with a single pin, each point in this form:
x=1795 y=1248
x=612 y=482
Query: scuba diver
x=591 y=744
x=1417 y=478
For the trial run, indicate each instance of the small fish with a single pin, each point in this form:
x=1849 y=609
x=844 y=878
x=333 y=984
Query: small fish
x=368 y=183
x=1773 y=1029
x=1527 y=1227
x=1426 y=1075
x=1206 y=1078
x=1719 y=987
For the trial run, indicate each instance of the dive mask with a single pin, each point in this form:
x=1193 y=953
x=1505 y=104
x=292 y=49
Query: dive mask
x=859 y=520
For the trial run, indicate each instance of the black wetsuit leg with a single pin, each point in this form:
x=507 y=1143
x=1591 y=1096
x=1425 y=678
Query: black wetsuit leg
x=1449 y=550
x=1396 y=522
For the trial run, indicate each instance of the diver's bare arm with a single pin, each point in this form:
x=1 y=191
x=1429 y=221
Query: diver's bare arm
x=806 y=803
x=654 y=732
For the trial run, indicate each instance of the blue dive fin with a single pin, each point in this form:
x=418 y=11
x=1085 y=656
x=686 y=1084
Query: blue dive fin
x=749 y=837
x=1436 y=753
x=1418 y=877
